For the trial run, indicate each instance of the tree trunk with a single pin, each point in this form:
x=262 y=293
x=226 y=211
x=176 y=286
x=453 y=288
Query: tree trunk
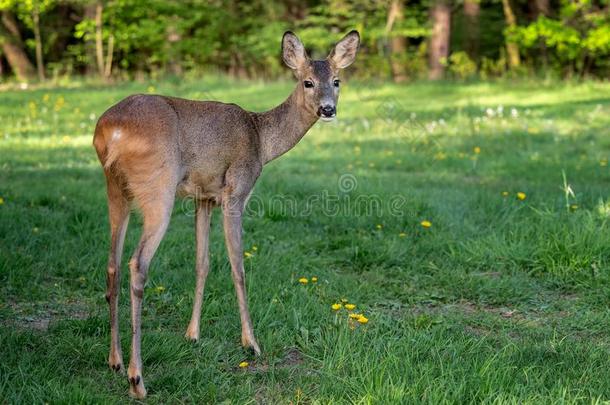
x=472 y=9
x=108 y=67
x=514 y=60
x=99 y=40
x=13 y=49
x=172 y=51
x=38 y=42
x=439 y=41
x=543 y=7
x=91 y=68
x=397 y=43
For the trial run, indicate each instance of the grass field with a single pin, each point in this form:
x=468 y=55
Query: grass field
x=500 y=300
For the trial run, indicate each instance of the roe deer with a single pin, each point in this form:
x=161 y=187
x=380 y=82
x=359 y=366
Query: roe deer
x=153 y=148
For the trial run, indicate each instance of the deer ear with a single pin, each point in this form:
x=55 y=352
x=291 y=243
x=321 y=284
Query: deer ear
x=344 y=53
x=293 y=51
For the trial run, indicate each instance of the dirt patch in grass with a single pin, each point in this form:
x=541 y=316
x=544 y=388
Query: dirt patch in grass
x=40 y=315
x=292 y=358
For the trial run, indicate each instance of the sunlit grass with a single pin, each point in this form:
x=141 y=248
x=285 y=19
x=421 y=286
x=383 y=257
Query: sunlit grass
x=439 y=211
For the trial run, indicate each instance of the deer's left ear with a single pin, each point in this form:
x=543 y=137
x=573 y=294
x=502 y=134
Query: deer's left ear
x=344 y=53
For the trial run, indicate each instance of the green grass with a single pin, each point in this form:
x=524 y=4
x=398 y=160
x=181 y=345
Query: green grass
x=499 y=301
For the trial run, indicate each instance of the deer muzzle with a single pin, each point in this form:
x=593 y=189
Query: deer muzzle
x=327 y=112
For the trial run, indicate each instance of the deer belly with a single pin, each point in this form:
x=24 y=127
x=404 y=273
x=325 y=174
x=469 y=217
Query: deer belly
x=200 y=188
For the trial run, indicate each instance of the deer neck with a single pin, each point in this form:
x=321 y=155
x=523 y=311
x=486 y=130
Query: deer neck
x=282 y=127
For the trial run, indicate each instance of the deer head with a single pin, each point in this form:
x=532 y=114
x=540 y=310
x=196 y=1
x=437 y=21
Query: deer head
x=319 y=78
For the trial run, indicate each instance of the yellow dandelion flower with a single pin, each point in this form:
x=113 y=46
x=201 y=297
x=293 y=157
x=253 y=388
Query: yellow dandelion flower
x=477 y=150
x=426 y=224
x=363 y=319
x=32 y=106
x=303 y=280
x=159 y=288
x=440 y=156
x=59 y=103
x=65 y=138
x=521 y=195
x=314 y=279
x=244 y=364
x=573 y=207
x=379 y=226
x=402 y=234
x=504 y=193
x=350 y=307
x=354 y=316
x=248 y=254
x=336 y=306
x=533 y=130
x=1 y=200
x=151 y=89
x=254 y=248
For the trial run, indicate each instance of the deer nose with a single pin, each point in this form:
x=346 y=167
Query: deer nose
x=327 y=111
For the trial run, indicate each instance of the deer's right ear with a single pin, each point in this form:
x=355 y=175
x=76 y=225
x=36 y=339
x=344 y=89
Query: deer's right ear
x=293 y=51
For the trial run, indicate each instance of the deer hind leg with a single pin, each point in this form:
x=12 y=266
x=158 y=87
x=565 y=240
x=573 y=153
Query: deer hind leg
x=202 y=267
x=118 y=214
x=156 y=212
x=232 y=221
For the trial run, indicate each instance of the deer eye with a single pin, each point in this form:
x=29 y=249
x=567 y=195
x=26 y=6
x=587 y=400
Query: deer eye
x=308 y=84
x=336 y=82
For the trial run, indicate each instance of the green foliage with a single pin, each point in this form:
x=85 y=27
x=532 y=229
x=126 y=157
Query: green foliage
x=491 y=68
x=597 y=41
x=461 y=65
x=242 y=38
x=25 y=8
x=369 y=18
x=581 y=30
x=565 y=40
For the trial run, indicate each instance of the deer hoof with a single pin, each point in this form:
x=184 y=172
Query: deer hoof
x=115 y=362
x=136 y=387
x=191 y=334
x=250 y=343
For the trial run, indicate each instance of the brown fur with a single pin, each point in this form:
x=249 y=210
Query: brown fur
x=153 y=148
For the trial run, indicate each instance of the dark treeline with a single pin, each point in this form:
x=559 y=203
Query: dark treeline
x=402 y=40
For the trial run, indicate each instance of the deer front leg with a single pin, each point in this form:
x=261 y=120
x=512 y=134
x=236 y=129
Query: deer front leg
x=232 y=221
x=202 y=268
